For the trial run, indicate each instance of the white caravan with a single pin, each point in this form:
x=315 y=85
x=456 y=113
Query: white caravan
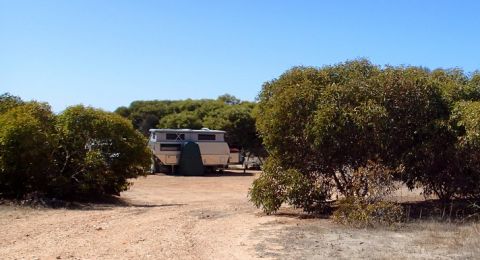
x=166 y=145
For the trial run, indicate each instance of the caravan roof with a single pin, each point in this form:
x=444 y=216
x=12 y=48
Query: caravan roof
x=203 y=130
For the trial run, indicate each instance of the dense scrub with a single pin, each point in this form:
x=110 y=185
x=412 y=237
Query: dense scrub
x=79 y=153
x=326 y=128
x=27 y=146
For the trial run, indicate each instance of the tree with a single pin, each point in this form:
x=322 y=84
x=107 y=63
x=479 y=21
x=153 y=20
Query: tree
x=474 y=86
x=229 y=99
x=449 y=163
x=7 y=101
x=321 y=126
x=81 y=152
x=27 y=145
x=239 y=124
x=184 y=119
x=438 y=158
x=123 y=111
x=99 y=152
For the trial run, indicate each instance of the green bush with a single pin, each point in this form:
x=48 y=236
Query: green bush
x=447 y=163
x=328 y=125
x=466 y=117
x=8 y=102
x=269 y=190
x=99 y=152
x=27 y=145
x=322 y=124
x=83 y=152
x=276 y=186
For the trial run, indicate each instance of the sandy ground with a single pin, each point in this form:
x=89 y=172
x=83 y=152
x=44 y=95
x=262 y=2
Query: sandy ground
x=169 y=217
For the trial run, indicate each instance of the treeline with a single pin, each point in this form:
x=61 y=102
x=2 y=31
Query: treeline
x=225 y=113
x=355 y=127
x=80 y=153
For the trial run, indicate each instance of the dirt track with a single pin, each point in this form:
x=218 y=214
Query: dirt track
x=167 y=217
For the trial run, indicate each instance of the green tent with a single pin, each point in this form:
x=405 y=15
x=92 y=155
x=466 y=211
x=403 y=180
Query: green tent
x=191 y=160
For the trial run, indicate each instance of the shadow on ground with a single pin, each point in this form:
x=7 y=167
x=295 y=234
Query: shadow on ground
x=230 y=174
x=455 y=210
x=109 y=202
x=458 y=210
x=101 y=203
x=226 y=173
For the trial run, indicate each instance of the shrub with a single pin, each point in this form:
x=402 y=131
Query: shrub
x=8 y=101
x=323 y=124
x=447 y=164
x=267 y=194
x=466 y=118
x=82 y=152
x=27 y=145
x=276 y=186
x=99 y=152
x=329 y=124
x=414 y=106
x=360 y=213
x=366 y=205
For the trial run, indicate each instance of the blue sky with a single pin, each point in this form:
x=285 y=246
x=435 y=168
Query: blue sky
x=109 y=53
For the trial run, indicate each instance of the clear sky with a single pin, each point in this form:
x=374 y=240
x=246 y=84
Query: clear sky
x=109 y=53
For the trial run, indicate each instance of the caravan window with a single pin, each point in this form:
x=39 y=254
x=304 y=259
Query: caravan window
x=204 y=137
x=170 y=147
x=175 y=136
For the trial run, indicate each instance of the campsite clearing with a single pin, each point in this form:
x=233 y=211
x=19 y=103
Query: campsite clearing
x=171 y=217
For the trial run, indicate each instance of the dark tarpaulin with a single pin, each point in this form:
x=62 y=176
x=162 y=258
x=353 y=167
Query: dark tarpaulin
x=191 y=160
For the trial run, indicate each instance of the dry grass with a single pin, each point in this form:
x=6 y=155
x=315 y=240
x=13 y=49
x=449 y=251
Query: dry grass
x=457 y=240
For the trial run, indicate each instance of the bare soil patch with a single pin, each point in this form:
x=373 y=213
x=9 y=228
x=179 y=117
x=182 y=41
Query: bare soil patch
x=210 y=217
